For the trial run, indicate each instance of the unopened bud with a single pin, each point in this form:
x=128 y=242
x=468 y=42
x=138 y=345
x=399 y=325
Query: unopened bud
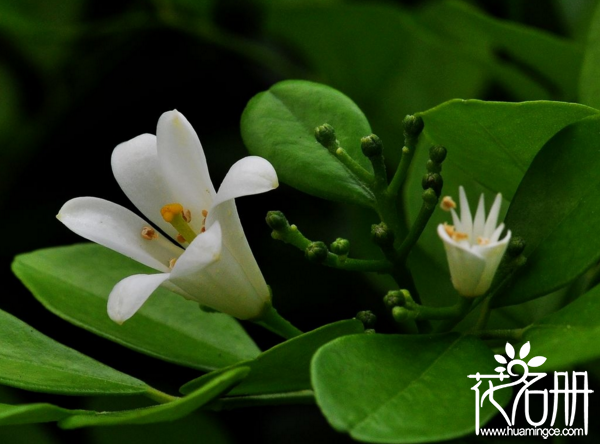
x=369 y=331
x=340 y=246
x=372 y=146
x=515 y=246
x=316 y=252
x=400 y=314
x=413 y=125
x=430 y=198
x=325 y=135
x=437 y=153
x=367 y=317
x=433 y=167
x=382 y=235
x=393 y=299
x=276 y=220
x=433 y=181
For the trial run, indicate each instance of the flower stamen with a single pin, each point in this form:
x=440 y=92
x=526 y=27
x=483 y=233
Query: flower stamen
x=149 y=233
x=172 y=263
x=176 y=216
x=447 y=204
x=458 y=236
x=482 y=241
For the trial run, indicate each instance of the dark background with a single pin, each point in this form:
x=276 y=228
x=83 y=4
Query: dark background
x=79 y=77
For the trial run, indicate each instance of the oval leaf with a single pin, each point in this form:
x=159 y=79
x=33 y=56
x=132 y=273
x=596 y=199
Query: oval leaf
x=32 y=361
x=524 y=351
x=510 y=351
x=387 y=388
x=279 y=125
x=74 y=283
x=501 y=359
x=536 y=362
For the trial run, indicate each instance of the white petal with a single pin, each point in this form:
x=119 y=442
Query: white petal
x=492 y=253
x=465 y=213
x=250 y=175
x=136 y=168
x=213 y=277
x=183 y=165
x=456 y=221
x=466 y=267
x=117 y=228
x=129 y=295
x=479 y=223
x=496 y=234
x=492 y=220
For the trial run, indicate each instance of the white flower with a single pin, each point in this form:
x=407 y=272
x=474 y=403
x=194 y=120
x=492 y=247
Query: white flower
x=472 y=245
x=166 y=178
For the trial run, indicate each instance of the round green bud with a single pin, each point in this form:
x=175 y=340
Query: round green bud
x=276 y=220
x=340 y=246
x=382 y=235
x=433 y=167
x=400 y=314
x=430 y=198
x=316 y=252
x=325 y=135
x=393 y=299
x=367 y=317
x=433 y=181
x=370 y=331
x=437 y=153
x=516 y=246
x=372 y=146
x=413 y=125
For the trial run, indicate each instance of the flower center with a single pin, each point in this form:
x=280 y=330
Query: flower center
x=455 y=235
x=179 y=218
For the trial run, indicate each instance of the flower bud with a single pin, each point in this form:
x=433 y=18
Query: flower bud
x=367 y=317
x=325 y=135
x=393 y=299
x=400 y=314
x=413 y=125
x=369 y=331
x=276 y=220
x=433 y=167
x=340 y=246
x=316 y=252
x=516 y=246
x=382 y=235
x=372 y=146
x=433 y=181
x=437 y=153
x=430 y=198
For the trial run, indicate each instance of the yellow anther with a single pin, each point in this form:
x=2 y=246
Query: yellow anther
x=187 y=216
x=449 y=229
x=172 y=263
x=149 y=233
x=168 y=212
x=203 y=230
x=482 y=241
x=447 y=203
x=204 y=213
x=458 y=236
x=180 y=239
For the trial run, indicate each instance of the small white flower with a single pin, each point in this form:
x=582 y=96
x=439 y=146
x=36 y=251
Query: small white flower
x=473 y=246
x=167 y=179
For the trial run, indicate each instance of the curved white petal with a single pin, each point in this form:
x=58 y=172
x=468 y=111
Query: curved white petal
x=492 y=253
x=183 y=165
x=250 y=175
x=213 y=277
x=129 y=295
x=465 y=213
x=492 y=219
x=136 y=168
x=479 y=222
x=117 y=228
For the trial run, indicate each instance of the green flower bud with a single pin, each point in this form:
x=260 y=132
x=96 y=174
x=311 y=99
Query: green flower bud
x=325 y=135
x=437 y=153
x=276 y=220
x=393 y=299
x=367 y=317
x=433 y=181
x=316 y=252
x=413 y=125
x=369 y=331
x=400 y=314
x=372 y=146
x=516 y=246
x=430 y=198
x=382 y=235
x=340 y=246
x=433 y=167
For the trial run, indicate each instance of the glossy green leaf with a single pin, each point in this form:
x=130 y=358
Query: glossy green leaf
x=285 y=367
x=164 y=412
x=279 y=125
x=569 y=336
x=74 y=283
x=34 y=413
x=32 y=361
x=553 y=210
x=490 y=146
x=589 y=86
x=402 y=389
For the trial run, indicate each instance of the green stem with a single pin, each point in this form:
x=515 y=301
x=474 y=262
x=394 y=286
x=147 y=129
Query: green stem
x=462 y=308
x=401 y=171
x=158 y=396
x=440 y=313
x=484 y=314
x=274 y=322
x=234 y=402
x=505 y=334
x=415 y=231
x=363 y=175
x=380 y=173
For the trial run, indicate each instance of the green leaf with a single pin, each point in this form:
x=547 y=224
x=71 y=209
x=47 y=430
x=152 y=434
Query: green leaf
x=490 y=146
x=285 y=367
x=34 y=413
x=164 y=412
x=553 y=210
x=398 y=389
x=279 y=125
x=569 y=336
x=74 y=283
x=32 y=361
x=589 y=87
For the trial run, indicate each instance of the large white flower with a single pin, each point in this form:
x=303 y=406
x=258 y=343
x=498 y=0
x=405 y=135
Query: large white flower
x=167 y=179
x=473 y=246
